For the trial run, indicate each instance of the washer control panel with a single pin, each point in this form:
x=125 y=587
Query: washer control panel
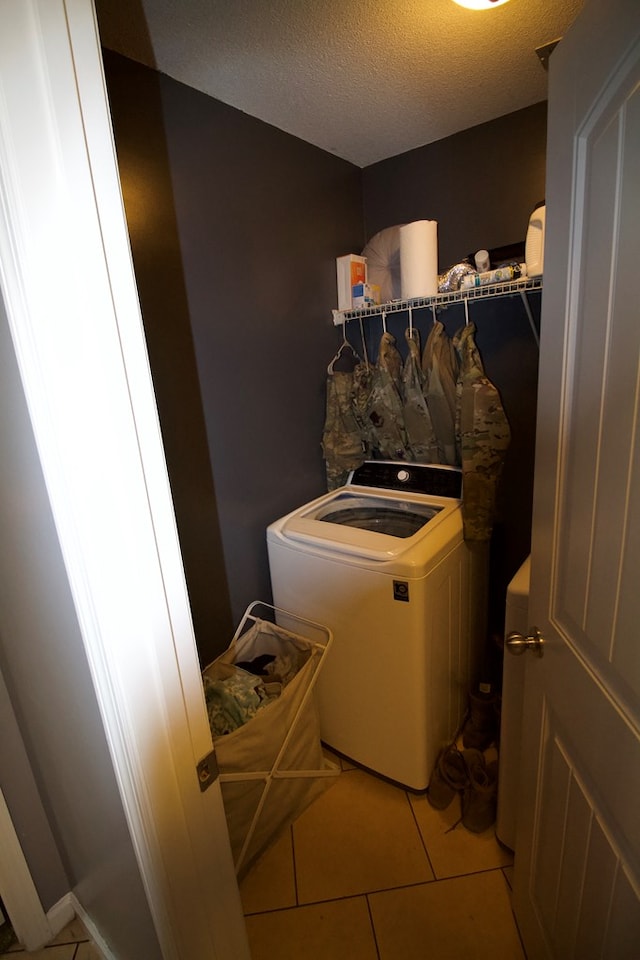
x=434 y=480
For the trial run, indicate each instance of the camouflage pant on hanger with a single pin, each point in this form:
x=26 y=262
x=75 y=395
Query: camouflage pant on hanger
x=484 y=438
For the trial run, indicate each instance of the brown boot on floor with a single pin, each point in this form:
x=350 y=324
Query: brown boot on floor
x=480 y=796
x=449 y=777
x=480 y=728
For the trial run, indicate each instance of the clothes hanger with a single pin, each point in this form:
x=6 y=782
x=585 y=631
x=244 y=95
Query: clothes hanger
x=364 y=343
x=412 y=333
x=345 y=344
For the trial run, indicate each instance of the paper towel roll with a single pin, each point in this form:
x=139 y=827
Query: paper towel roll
x=419 y=259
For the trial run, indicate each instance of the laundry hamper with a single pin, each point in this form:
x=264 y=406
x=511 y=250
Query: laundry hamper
x=272 y=767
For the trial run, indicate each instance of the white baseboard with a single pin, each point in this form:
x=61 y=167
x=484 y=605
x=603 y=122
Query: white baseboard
x=60 y=914
x=92 y=930
x=65 y=910
x=17 y=888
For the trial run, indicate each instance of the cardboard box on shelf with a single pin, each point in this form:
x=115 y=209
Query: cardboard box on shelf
x=365 y=295
x=351 y=269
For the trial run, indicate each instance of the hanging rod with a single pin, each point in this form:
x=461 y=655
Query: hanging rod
x=489 y=292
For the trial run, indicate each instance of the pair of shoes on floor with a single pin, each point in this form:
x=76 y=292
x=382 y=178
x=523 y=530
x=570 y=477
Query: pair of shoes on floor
x=482 y=725
x=465 y=772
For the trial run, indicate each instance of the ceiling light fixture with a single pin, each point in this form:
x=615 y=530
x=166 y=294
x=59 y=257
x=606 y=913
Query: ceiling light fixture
x=480 y=4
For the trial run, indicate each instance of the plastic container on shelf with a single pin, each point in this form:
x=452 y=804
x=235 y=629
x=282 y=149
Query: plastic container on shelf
x=482 y=261
x=534 y=244
x=499 y=275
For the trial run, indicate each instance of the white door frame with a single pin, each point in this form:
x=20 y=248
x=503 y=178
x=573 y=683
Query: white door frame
x=69 y=289
x=19 y=895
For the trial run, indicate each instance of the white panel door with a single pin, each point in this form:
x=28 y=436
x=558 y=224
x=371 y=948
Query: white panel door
x=577 y=879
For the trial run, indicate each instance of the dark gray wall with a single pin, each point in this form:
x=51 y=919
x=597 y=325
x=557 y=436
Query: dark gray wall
x=45 y=669
x=480 y=185
x=137 y=112
x=235 y=227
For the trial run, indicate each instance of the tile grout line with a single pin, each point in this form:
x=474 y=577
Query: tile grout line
x=347 y=896
x=368 y=893
x=422 y=840
x=513 y=913
x=293 y=862
x=21 y=952
x=373 y=927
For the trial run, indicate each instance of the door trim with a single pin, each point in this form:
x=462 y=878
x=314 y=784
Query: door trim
x=71 y=299
x=17 y=889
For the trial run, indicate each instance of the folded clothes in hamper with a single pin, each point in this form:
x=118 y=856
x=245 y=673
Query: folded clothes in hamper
x=271 y=765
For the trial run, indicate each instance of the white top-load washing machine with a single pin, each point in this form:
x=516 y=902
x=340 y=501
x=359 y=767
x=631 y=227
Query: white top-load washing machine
x=382 y=562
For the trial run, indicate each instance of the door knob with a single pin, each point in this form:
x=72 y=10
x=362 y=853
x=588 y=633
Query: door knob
x=518 y=644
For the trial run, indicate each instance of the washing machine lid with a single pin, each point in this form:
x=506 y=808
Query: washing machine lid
x=366 y=519
x=389 y=517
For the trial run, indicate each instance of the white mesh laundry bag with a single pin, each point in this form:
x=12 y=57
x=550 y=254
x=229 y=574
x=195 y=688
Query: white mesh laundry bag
x=272 y=767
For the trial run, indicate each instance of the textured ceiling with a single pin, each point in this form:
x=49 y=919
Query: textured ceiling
x=363 y=79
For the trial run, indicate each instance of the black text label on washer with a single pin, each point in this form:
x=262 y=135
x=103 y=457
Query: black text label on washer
x=401 y=590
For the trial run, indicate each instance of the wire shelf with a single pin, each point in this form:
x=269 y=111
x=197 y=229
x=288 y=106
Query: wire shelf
x=488 y=292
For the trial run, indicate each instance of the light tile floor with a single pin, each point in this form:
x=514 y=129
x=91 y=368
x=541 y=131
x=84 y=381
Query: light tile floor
x=369 y=872
x=72 y=943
